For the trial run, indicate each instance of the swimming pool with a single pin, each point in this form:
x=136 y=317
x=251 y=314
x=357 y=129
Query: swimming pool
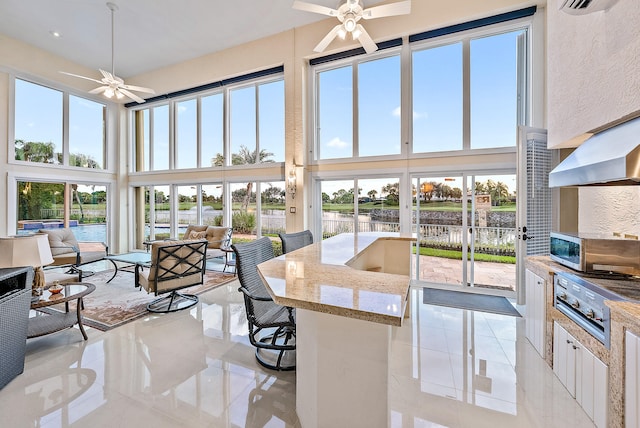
x=98 y=232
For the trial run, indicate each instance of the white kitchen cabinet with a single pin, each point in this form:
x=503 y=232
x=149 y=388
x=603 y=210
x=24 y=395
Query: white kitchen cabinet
x=632 y=380
x=584 y=375
x=536 y=311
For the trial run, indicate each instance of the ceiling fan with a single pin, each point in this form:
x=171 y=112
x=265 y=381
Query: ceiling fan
x=112 y=85
x=349 y=14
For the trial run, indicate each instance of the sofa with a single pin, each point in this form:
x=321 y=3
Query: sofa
x=217 y=237
x=67 y=251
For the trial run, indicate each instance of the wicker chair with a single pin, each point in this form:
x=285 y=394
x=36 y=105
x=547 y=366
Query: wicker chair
x=272 y=328
x=293 y=241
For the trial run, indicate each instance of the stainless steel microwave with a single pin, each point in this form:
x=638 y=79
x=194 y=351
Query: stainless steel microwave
x=589 y=253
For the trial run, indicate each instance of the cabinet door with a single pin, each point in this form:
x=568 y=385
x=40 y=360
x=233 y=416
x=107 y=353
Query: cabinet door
x=564 y=358
x=632 y=380
x=592 y=385
x=536 y=311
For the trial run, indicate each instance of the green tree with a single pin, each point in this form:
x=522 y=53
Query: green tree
x=247 y=157
x=32 y=151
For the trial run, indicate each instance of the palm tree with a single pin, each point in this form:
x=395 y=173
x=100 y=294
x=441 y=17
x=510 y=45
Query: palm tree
x=501 y=191
x=246 y=157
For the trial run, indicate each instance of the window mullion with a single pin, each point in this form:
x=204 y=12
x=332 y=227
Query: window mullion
x=151 y=143
x=173 y=153
x=257 y=108
x=466 y=94
x=198 y=132
x=355 y=111
x=65 y=128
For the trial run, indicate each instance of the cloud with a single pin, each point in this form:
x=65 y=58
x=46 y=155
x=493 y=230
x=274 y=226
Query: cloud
x=416 y=115
x=337 y=143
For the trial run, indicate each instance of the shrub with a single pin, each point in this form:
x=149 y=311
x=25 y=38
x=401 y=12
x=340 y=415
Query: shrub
x=243 y=222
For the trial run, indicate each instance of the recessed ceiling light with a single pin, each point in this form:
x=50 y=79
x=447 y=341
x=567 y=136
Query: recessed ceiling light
x=55 y=34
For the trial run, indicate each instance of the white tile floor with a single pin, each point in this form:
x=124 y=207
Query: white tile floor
x=451 y=368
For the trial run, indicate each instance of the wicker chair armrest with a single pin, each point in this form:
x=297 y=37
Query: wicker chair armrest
x=254 y=297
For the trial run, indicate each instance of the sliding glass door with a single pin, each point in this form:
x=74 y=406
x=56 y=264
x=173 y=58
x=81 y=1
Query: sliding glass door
x=466 y=229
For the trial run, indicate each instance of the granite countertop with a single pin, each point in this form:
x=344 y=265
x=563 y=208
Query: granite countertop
x=317 y=277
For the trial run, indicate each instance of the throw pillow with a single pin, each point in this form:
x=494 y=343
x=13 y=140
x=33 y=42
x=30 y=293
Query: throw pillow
x=197 y=235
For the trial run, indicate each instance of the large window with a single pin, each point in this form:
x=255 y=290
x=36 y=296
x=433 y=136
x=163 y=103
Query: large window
x=454 y=109
x=437 y=99
x=375 y=131
x=42 y=205
x=466 y=92
x=494 y=90
x=39 y=121
x=254 y=132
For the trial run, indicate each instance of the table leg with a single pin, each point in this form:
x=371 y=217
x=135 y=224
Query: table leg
x=115 y=265
x=79 y=305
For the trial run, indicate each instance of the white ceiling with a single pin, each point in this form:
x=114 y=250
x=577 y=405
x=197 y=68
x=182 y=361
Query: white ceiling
x=149 y=34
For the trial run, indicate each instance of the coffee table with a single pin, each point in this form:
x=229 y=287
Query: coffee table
x=46 y=324
x=130 y=259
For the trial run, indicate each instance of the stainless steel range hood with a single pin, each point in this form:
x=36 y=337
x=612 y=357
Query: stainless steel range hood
x=611 y=157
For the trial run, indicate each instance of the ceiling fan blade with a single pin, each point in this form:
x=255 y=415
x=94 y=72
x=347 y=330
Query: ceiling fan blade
x=366 y=41
x=399 y=8
x=107 y=75
x=327 y=39
x=315 y=8
x=131 y=95
x=138 y=88
x=82 y=77
x=98 y=89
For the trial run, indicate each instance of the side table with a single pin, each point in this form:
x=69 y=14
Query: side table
x=229 y=259
x=46 y=324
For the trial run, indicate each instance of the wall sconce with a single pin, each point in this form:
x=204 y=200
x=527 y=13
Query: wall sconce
x=292 y=182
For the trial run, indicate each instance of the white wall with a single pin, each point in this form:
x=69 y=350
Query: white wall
x=593 y=69
x=605 y=210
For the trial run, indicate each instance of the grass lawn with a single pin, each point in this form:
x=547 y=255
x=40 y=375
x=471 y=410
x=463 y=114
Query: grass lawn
x=457 y=255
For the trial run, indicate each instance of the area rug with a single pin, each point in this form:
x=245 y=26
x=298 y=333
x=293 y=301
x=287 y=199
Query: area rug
x=119 y=302
x=470 y=301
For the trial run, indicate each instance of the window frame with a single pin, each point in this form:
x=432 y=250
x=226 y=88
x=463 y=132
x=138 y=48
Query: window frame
x=225 y=90
x=314 y=122
x=406 y=50
x=108 y=129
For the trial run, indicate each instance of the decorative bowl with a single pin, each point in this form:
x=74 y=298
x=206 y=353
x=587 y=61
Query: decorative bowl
x=55 y=289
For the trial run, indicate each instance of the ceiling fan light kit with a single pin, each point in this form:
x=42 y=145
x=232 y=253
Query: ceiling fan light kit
x=349 y=13
x=113 y=85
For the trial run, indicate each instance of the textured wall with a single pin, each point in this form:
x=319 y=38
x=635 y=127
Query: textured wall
x=593 y=68
x=610 y=209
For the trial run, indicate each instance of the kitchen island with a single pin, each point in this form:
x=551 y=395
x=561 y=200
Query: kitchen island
x=349 y=291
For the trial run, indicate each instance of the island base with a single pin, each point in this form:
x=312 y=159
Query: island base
x=342 y=372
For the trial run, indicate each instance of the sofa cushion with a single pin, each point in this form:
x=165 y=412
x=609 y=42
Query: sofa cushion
x=61 y=241
x=216 y=236
x=196 y=235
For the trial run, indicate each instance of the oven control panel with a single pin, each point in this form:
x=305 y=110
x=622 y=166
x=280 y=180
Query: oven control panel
x=582 y=304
